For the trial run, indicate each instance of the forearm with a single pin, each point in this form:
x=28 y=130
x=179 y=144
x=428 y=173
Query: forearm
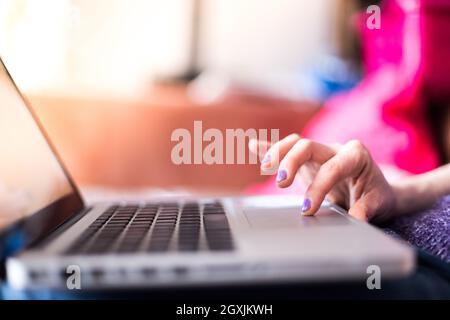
x=421 y=191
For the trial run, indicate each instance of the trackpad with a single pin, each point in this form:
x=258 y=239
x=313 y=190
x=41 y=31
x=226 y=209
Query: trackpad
x=291 y=218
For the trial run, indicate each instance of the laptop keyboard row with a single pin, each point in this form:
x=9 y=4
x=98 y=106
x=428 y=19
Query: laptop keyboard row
x=156 y=228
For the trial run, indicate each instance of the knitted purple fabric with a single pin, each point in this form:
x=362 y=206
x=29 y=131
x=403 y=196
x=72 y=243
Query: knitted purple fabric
x=428 y=230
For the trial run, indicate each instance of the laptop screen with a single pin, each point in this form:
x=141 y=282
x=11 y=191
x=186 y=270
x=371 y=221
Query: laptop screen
x=32 y=181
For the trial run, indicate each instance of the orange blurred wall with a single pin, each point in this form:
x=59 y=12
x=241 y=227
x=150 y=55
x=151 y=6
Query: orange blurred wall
x=127 y=144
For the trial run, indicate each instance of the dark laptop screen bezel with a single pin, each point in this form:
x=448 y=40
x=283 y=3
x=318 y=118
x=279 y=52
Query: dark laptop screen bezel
x=30 y=229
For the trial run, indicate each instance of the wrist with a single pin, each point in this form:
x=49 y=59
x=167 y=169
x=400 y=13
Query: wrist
x=412 y=195
x=402 y=197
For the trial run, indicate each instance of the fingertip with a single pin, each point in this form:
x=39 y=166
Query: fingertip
x=360 y=211
x=270 y=171
x=358 y=215
x=282 y=185
x=266 y=162
x=253 y=145
x=282 y=178
x=307 y=207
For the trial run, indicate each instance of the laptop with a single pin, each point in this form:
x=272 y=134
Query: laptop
x=48 y=233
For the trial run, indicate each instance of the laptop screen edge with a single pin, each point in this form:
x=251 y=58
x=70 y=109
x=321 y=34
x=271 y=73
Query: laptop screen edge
x=28 y=230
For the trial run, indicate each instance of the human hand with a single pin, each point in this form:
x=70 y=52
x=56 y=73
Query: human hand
x=345 y=174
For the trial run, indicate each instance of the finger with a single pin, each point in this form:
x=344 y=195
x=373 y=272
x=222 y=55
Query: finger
x=259 y=147
x=372 y=206
x=360 y=210
x=350 y=161
x=303 y=151
x=278 y=150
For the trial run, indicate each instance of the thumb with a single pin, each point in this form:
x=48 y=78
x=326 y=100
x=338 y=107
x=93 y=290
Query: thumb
x=360 y=210
x=366 y=207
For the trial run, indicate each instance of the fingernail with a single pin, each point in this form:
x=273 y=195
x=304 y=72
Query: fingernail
x=266 y=159
x=306 y=205
x=282 y=175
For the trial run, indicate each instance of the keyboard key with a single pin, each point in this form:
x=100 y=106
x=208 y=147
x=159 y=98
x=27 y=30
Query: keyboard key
x=123 y=229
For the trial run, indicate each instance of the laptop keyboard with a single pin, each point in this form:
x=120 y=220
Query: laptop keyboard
x=156 y=228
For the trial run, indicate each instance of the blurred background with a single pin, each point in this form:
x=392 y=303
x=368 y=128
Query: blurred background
x=111 y=79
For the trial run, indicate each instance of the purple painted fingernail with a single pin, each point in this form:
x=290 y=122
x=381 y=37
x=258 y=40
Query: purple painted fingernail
x=306 y=205
x=282 y=175
x=266 y=158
